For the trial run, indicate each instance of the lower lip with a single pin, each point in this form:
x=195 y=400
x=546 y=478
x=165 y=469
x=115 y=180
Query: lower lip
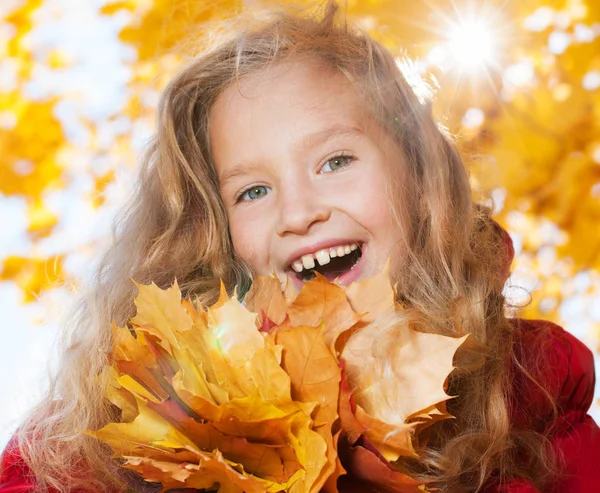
x=346 y=278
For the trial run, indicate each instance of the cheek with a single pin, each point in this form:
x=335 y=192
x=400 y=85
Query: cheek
x=387 y=205
x=382 y=215
x=373 y=204
x=250 y=241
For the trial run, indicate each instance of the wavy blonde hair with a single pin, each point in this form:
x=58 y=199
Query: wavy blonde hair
x=175 y=226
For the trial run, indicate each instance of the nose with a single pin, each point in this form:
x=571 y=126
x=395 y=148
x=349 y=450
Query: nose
x=300 y=208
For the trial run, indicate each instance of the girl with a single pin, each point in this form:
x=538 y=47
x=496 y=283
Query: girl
x=297 y=145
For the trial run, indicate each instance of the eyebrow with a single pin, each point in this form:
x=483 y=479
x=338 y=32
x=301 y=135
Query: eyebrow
x=307 y=141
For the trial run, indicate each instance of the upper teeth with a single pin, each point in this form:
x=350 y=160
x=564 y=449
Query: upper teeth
x=322 y=256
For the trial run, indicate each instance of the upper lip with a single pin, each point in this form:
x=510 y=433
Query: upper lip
x=315 y=247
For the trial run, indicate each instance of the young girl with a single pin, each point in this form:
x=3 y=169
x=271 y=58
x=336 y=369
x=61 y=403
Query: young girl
x=297 y=145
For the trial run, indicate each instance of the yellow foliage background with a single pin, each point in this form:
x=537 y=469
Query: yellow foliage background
x=528 y=123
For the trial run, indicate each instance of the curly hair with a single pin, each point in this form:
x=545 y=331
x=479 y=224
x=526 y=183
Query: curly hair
x=175 y=226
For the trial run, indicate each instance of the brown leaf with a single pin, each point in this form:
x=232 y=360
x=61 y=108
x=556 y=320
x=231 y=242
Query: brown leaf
x=375 y=473
x=351 y=427
x=265 y=296
x=211 y=468
x=330 y=485
x=372 y=297
x=392 y=441
x=272 y=462
x=313 y=370
x=315 y=377
x=321 y=302
x=144 y=377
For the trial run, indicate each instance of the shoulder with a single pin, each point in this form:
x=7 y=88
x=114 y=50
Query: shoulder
x=15 y=475
x=562 y=365
x=564 y=369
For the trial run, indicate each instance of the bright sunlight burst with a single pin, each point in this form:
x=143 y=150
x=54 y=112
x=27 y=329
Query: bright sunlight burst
x=471 y=44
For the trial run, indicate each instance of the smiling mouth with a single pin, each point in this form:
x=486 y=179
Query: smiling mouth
x=336 y=267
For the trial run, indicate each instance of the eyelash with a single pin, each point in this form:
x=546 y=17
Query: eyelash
x=342 y=154
x=338 y=155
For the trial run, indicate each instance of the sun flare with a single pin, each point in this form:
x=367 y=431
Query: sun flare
x=471 y=44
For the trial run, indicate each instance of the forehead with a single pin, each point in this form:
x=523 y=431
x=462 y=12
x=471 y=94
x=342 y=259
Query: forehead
x=292 y=80
x=299 y=95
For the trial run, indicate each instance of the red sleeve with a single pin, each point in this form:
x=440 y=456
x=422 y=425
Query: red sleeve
x=15 y=476
x=516 y=486
x=576 y=436
x=565 y=367
x=568 y=374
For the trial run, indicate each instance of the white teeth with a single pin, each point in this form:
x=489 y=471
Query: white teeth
x=322 y=257
x=308 y=261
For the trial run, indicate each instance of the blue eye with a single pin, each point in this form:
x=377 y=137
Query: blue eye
x=252 y=193
x=337 y=162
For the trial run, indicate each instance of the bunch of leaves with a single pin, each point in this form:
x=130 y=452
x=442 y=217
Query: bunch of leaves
x=388 y=399
x=265 y=397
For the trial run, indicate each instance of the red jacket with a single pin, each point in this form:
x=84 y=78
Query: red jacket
x=569 y=377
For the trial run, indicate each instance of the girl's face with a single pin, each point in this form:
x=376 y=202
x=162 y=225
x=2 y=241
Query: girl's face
x=303 y=172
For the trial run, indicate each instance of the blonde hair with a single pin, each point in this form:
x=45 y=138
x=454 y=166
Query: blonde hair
x=175 y=226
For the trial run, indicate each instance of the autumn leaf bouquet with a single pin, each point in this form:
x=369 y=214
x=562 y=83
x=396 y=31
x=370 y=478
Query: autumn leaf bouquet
x=282 y=392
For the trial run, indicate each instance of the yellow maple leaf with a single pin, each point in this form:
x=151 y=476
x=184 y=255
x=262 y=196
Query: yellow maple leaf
x=204 y=391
